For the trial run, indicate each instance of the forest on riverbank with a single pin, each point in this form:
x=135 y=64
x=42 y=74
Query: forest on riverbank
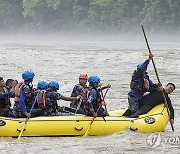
x=90 y=16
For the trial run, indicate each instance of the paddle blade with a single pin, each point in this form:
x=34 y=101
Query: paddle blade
x=21 y=131
x=87 y=131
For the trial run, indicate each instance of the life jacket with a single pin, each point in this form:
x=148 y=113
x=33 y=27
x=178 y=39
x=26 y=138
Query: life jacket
x=85 y=95
x=42 y=99
x=29 y=96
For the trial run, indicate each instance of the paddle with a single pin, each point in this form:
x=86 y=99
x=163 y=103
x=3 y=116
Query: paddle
x=27 y=117
x=96 y=113
x=165 y=101
x=102 y=97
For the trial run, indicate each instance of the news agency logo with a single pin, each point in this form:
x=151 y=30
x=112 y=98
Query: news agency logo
x=154 y=140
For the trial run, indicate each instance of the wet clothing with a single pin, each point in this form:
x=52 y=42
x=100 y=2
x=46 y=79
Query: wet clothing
x=94 y=103
x=140 y=84
x=17 y=111
x=52 y=107
x=25 y=104
x=25 y=99
x=4 y=112
x=139 y=79
x=5 y=96
x=151 y=100
x=78 y=90
x=5 y=103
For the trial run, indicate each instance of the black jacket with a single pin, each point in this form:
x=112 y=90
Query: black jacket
x=155 y=98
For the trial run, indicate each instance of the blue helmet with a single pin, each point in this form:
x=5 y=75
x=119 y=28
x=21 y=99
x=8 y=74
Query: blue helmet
x=42 y=85
x=54 y=84
x=139 y=65
x=94 y=79
x=28 y=75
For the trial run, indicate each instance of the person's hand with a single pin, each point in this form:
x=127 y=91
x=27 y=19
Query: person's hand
x=150 y=56
x=108 y=86
x=160 y=87
x=159 y=84
x=28 y=115
x=172 y=121
x=15 y=82
x=94 y=114
x=103 y=103
x=78 y=97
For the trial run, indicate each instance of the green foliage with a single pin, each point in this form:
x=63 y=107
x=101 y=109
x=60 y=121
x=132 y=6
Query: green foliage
x=10 y=14
x=90 y=15
x=31 y=7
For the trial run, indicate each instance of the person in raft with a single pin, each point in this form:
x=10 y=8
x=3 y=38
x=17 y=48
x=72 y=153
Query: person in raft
x=78 y=89
x=23 y=106
x=6 y=92
x=52 y=97
x=94 y=102
x=155 y=98
x=140 y=84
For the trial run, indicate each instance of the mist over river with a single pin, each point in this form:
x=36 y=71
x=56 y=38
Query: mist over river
x=114 y=63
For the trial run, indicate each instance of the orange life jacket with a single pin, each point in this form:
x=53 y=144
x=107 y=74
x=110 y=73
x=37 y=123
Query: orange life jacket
x=42 y=99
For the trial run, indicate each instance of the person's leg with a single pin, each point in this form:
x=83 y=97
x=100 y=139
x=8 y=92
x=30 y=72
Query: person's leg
x=143 y=110
x=4 y=112
x=102 y=112
x=80 y=111
x=74 y=104
x=133 y=106
x=37 y=112
x=127 y=113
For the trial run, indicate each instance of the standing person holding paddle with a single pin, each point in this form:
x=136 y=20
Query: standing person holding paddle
x=140 y=84
x=165 y=100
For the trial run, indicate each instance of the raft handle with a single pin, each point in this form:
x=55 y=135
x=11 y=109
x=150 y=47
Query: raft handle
x=78 y=129
x=20 y=130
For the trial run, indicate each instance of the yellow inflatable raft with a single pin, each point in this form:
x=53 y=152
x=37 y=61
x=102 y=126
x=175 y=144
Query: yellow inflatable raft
x=154 y=121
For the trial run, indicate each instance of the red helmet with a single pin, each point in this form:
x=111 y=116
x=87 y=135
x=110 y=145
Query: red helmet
x=83 y=76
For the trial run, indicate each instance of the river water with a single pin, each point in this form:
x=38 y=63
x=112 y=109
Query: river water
x=114 y=63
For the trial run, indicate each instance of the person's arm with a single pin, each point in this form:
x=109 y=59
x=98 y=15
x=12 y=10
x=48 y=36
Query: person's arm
x=25 y=92
x=77 y=90
x=91 y=98
x=155 y=87
x=105 y=87
x=15 y=82
x=54 y=95
x=143 y=68
x=70 y=98
x=57 y=96
x=73 y=91
x=6 y=94
x=22 y=102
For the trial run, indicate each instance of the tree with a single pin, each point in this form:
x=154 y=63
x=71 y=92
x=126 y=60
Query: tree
x=11 y=17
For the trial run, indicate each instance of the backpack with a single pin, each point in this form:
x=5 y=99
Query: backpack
x=42 y=99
